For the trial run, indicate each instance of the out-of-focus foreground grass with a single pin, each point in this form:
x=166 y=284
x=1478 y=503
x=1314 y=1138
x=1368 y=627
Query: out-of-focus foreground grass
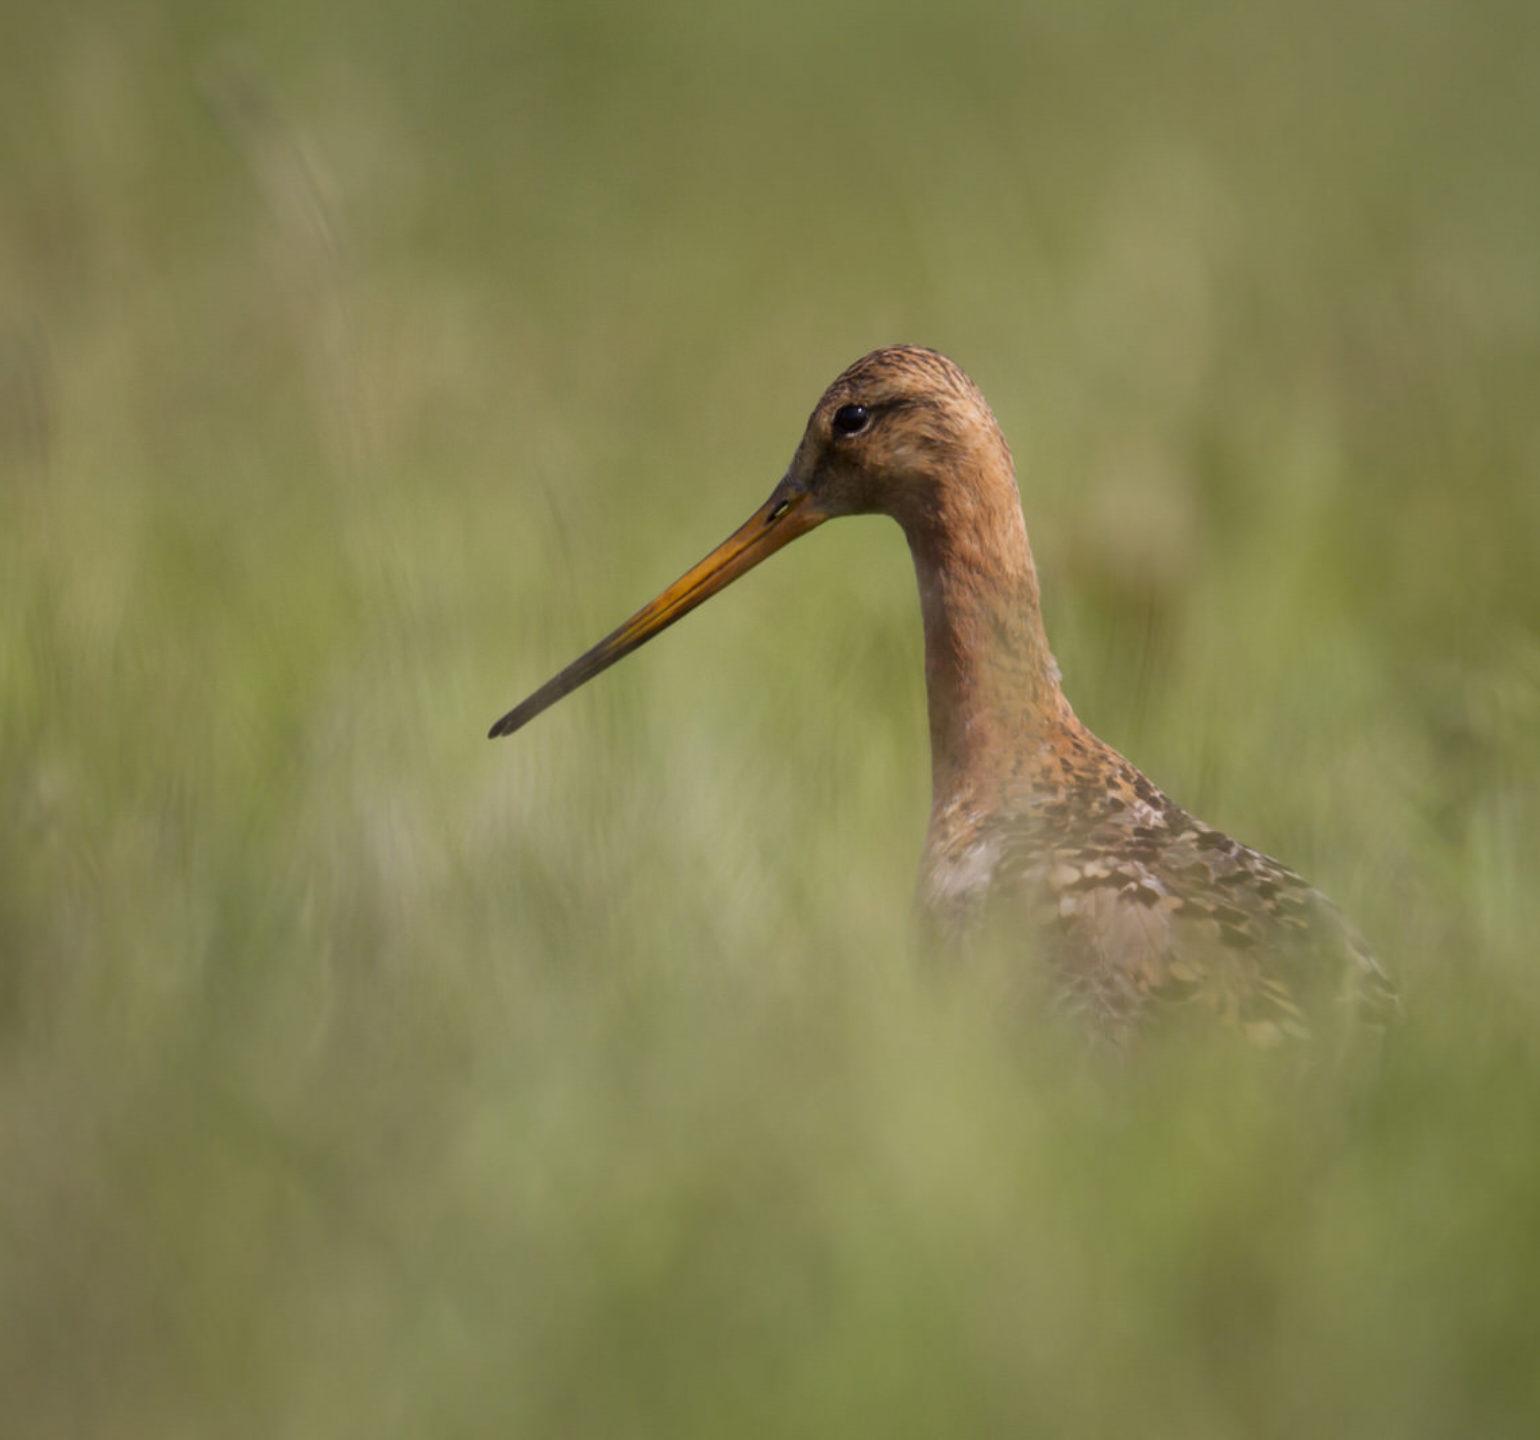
x=360 y=363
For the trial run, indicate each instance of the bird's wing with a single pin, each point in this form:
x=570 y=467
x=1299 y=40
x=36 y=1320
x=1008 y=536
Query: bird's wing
x=1148 y=914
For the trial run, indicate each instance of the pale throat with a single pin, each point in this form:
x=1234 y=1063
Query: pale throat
x=991 y=681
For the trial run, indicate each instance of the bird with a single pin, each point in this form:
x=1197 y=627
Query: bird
x=1140 y=915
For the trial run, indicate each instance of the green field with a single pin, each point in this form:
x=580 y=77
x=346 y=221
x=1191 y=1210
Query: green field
x=361 y=363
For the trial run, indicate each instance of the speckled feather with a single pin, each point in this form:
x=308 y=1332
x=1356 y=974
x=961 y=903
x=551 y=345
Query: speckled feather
x=1146 y=914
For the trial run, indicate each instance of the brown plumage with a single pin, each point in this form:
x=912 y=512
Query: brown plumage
x=1140 y=911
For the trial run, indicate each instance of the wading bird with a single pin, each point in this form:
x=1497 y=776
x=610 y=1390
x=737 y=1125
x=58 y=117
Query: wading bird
x=1138 y=909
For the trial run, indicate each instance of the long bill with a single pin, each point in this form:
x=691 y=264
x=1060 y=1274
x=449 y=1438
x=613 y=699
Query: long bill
x=787 y=514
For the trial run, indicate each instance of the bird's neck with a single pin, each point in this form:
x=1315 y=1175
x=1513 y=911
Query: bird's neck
x=991 y=682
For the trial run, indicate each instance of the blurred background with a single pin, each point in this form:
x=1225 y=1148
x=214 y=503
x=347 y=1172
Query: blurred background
x=360 y=363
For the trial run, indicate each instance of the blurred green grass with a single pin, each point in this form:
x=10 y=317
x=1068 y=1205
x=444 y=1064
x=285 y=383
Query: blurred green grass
x=360 y=364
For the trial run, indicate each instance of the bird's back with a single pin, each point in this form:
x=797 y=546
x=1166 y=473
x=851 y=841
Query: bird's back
x=1145 y=914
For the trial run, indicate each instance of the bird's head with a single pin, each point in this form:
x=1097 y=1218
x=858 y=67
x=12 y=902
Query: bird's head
x=902 y=432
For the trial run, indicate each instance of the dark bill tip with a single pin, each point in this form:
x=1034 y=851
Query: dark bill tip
x=777 y=522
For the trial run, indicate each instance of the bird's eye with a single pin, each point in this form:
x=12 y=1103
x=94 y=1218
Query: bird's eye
x=851 y=419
